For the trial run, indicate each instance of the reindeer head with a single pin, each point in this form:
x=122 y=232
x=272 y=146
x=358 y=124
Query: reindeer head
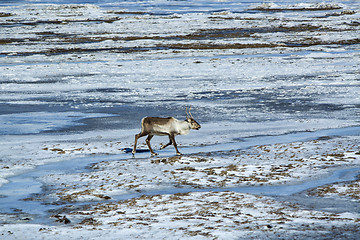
x=190 y=119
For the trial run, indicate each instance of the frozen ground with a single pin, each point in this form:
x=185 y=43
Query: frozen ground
x=274 y=86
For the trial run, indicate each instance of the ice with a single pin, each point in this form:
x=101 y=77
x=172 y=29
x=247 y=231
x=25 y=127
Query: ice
x=274 y=86
x=36 y=122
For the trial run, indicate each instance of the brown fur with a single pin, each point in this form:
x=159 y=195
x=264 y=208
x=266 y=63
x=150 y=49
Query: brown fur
x=151 y=126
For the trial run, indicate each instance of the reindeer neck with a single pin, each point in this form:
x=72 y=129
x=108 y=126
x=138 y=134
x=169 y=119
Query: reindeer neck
x=183 y=127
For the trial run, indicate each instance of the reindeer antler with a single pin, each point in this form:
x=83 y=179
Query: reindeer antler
x=188 y=113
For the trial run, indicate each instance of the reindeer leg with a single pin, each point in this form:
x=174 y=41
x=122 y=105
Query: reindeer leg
x=172 y=139
x=149 y=146
x=164 y=146
x=137 y=136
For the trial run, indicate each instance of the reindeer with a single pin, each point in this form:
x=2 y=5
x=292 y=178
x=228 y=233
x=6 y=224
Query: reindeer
x=170 y=126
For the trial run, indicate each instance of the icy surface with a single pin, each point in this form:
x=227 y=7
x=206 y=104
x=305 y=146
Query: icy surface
x=275 y=87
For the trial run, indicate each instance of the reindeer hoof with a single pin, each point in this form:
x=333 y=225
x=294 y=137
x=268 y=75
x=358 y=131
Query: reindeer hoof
x=179 y=153
x=154 y=154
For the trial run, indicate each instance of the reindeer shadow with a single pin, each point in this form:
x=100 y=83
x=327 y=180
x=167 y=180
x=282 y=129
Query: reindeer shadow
x=129 y=150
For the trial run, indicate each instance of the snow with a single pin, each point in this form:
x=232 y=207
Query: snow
x=273 y=85
x=184 y=215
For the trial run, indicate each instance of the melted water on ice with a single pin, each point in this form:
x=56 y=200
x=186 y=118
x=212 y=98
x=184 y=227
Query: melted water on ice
x=22 y=186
